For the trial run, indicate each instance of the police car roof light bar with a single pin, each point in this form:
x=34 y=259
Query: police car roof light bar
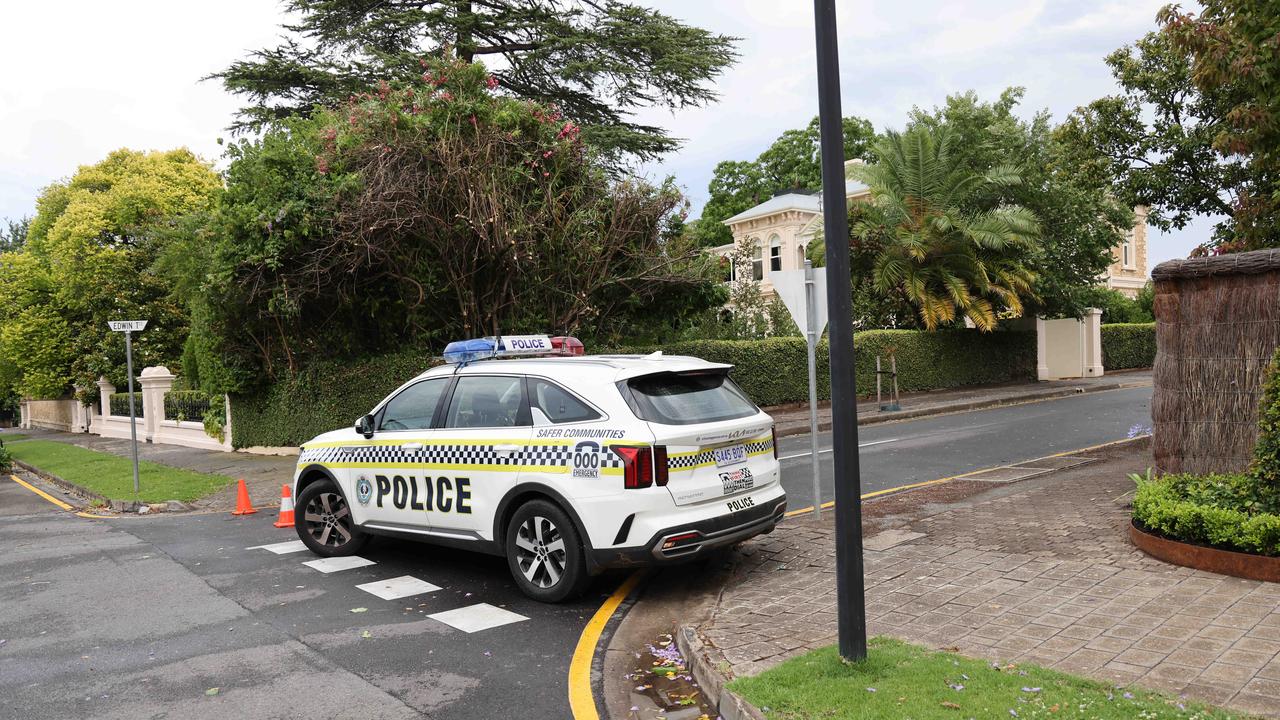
x=461 y=352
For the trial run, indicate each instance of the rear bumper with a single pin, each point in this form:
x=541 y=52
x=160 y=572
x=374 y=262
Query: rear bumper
x=694 y=539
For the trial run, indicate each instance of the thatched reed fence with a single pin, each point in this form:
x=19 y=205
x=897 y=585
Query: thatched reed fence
x=1217 y=326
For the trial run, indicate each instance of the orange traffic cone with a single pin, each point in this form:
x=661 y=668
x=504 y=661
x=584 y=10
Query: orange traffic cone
x=286 y=508
x=243 y=506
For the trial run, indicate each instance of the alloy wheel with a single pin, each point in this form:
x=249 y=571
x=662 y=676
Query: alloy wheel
x=540 y=551
x=328 y=519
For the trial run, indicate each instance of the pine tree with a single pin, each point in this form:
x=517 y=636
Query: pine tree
x=598 y=61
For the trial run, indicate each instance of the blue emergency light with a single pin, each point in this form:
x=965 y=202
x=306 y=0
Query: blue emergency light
x=464 y=351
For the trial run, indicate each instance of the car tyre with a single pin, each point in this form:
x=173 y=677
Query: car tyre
x=324 y=522
x=544 y=552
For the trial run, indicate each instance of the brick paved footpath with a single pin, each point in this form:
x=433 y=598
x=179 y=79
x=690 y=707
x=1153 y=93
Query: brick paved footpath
x=1039 y=571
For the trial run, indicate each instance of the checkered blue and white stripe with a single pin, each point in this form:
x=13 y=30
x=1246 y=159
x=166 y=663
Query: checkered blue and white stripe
x=453 y=454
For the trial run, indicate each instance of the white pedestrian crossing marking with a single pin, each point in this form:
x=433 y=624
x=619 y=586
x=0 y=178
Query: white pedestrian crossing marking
x=336 y=564
x=400 y=587
x=281 y=548
x=474 y=618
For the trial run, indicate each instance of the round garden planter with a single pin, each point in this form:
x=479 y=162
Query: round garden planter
x=1224 y=562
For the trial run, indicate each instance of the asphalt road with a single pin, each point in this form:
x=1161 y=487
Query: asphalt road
x=141 y=617
x=901 y=453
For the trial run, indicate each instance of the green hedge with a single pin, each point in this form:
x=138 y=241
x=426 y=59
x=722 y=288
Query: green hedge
x=188 y=405
x=119 y=403
x=772 y=371
x=1210 y=510
x=1128 y=345
x=327 y=396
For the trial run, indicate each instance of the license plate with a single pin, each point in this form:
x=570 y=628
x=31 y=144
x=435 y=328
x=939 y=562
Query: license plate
x=741 y=503
x=731 y=455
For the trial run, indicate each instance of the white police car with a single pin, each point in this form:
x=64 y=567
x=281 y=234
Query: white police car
x=566 y=464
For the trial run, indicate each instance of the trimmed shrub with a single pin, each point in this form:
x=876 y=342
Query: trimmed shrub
x=773 y=371
x=327 y=396
x=186 y=405
x=1208 y=510
x=119 y=403
x=1128 y=345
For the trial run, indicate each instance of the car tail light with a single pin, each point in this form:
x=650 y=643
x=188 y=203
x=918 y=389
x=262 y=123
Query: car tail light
x=660 y=470
x=637 y=466
x=774 y=429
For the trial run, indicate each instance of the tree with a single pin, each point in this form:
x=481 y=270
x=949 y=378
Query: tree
x=947 y=261
x=1154 y=142
x=596 y=60
x=85 y=261
x=420 y=213
x=1080 y=219
x=791 y=162
x=1236 y=59
x=14 y=235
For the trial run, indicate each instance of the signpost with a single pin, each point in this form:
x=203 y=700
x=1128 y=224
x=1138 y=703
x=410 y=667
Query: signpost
x=851 y=615
x=800 y=290
x=129 y=327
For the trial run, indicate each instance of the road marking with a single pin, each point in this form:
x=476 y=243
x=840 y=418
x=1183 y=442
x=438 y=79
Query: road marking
x=474 y=618
x=827 y=450
x=912 y=486
x=282 y=548
x=581 y=702
x=338 y=564
x=56 y=501
x=400 y=587
x=41 y=493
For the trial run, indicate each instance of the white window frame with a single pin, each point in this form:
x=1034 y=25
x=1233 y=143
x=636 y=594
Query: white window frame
x=757 y=262
x=1127 y=251
x=775 y=254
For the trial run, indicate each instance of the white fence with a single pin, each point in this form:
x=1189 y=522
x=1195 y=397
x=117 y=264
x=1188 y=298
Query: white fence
x=155 y=382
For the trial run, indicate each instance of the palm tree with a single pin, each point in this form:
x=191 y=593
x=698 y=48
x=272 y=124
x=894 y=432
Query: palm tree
x=940 y=253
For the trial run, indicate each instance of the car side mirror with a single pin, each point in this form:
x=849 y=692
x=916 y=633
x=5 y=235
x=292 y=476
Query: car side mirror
x=364 y=426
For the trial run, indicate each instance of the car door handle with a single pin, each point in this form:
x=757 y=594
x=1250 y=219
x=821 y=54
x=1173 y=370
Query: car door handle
x=411 y=447
x=506 y=449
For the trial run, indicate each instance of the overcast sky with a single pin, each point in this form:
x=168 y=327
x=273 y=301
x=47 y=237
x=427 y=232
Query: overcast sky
x=80 y=79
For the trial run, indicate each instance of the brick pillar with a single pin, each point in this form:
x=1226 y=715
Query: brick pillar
x=105 y=391
x=155 y=382
x=1093 y=343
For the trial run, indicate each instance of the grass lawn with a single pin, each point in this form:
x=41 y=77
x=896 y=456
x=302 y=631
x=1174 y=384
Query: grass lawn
x=905 y=681
x=7 y=437
x=112 y=475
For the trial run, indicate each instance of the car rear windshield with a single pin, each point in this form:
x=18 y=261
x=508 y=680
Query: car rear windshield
x=688 y=398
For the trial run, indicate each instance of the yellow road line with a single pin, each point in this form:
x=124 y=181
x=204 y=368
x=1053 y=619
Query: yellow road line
x=54 y=500
x=581 y=700
x=41 y=493
x=912 y=486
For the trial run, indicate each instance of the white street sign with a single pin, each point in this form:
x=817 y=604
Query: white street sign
x=128 y=325
x=790 y=287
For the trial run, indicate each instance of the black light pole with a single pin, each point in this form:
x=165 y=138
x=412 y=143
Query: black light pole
x=851 y=611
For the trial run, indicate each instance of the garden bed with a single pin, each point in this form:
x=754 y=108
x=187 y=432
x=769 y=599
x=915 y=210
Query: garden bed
x=1203 y=557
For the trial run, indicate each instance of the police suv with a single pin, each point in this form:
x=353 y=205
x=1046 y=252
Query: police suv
x=563 y=463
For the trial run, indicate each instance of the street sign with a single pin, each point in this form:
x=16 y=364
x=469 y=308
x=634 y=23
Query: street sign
x=129 y=327
x=790 y=285
x=800 y=290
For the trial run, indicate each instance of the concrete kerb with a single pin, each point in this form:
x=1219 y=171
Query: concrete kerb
x=82 y=494
x=712 y=681
x=964 y=406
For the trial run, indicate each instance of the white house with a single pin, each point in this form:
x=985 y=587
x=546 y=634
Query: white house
x=780 y=229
